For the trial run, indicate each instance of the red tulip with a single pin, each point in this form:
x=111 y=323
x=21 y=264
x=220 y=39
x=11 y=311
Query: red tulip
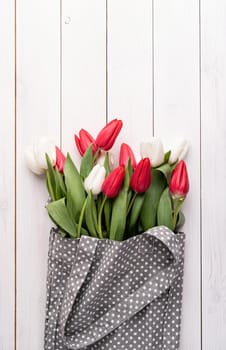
x=126 y=153
x=107 y=136
x=141 y=178
x=60 y=160
x=85 y=141
x=179 y=183
x=113 y=182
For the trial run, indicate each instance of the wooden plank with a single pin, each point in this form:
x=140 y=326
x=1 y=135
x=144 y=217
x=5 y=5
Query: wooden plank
x=38 y=114
x=177 y=115
x=83 y=69
x=130 y=68
x=213 y=103
x=7 y=179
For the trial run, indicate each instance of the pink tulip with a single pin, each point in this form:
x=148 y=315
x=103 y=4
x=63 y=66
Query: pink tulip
x=126 y=153
x=179 y=183
x=113 y=182
x=60 y=160
x=107 y=136
x=84 y=141
x=141 y=178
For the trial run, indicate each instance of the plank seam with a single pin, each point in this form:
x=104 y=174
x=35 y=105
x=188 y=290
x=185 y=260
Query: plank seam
x=61 y=73
x=153 y=70
x=15 y=174
x=200 y=127
x=106 y=14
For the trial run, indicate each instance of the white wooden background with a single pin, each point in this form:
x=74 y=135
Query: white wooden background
x=160 y=66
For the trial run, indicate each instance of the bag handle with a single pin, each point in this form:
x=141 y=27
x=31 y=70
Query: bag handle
x=129 y=306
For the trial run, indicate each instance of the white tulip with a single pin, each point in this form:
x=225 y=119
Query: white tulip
x=179 y=152
x=101 y=159
x=153 y=150
x=31 y=161
x=93 y=182
x=35 y=155
x=43 y=146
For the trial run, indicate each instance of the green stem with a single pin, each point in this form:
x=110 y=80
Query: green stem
x=96 y=155
x=131 y=203
x=81 y=218
x=99 y=226
x=177 y=203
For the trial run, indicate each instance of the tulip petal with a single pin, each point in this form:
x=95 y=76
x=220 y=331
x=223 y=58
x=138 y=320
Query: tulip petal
x=179 y=152
x=31 y=161
x=141 y=178
x=126 y=153
x=154 y=151
x=113 y=182
x=107 y=136
x=93 y=182
x=43 y=146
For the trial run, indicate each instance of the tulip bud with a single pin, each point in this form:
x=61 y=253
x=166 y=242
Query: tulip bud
x=141 y=178
x=179 y=183
x=113 y=182
x=154 y=151
x=42 y=147
x=60 y=160
x=36 y=155
x=102 y=157
x=31 y=161
x=126 y=153
x=107 y=136
x=83 y=142
x=179 y=153
x=93 y=182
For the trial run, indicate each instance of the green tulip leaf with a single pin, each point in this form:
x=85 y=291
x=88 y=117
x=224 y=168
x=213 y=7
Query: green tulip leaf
x=58 y=191
x=50 y=179
x=128 y=174
x=164 y=213
x=54 y=181
x=70 y=205
x=49 y=186
x=107 y=164
x=59 y=179
x=107 y=215
x=87 y=162
x=74 y=185
x=84 y=232
x=59 y=214
x=148 y=215
x=62 y=232
x=91 y=215
x=167 y=156
x=180 y=220
x=135 y=211
x=129 y=197
x=166 y=170
x=118 y=218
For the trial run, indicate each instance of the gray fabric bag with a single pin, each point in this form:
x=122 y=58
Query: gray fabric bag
x=110 y=295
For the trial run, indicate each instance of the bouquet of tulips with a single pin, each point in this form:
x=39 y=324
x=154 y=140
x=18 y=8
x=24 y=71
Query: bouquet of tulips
x=117 y=203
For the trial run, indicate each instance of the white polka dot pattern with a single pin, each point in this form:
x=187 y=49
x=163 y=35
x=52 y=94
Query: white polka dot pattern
x=110 y=295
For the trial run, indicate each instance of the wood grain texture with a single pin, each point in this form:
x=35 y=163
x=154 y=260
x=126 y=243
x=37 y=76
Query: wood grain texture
x=213 y=103
x=7 y=178
x=130 y=69
x=38 y=114
x=83 y=69
x=177 y=115
x=80 y=63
